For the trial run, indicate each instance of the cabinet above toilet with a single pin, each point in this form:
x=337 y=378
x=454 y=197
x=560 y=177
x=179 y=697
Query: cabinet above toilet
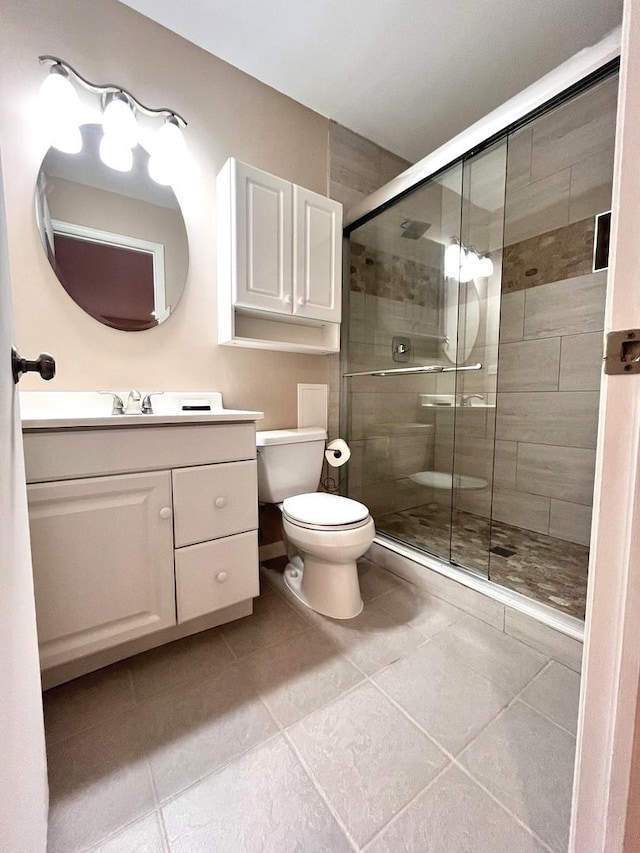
x=279 y=263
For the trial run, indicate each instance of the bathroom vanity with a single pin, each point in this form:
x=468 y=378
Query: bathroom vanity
x=143 y=528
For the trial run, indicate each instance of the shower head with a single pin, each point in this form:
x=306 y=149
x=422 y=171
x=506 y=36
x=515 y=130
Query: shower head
x=413 y=229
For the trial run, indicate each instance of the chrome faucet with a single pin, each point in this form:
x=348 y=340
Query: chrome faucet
x=465 y=399
x=132 y=406
x=147 y=407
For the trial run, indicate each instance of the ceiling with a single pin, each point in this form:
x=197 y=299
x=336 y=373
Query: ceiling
x=407 y=74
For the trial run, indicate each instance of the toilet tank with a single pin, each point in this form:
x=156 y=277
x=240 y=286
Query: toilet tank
x=289 y=462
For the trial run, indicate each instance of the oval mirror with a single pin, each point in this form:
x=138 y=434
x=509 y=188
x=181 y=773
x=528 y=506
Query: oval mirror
x=461 y=321
x=116 y=240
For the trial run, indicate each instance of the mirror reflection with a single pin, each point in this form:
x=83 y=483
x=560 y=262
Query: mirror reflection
x=116 y=240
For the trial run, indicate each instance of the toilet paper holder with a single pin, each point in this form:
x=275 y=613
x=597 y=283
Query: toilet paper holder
x=337 y=452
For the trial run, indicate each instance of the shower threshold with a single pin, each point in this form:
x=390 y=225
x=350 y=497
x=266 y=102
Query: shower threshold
x=564 y=623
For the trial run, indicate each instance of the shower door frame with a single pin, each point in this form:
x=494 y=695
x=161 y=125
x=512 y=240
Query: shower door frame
x=576 y=75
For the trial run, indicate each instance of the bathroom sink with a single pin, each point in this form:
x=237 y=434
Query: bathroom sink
x=68 y=409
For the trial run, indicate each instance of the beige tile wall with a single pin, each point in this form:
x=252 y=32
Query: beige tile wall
x=559 y=176
x=547 y=406
x=357 y=167
x=560 y=167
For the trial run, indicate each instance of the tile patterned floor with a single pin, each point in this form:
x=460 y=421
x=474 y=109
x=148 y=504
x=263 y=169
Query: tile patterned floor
x=286 y=731
x=549 y=570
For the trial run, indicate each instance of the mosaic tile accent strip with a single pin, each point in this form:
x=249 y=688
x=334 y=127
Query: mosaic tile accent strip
x=380 y=273
x=560 y=254
x=541 y=567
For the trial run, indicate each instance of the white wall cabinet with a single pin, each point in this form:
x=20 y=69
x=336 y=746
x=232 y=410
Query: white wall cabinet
x=122 y=558
x=279 y=263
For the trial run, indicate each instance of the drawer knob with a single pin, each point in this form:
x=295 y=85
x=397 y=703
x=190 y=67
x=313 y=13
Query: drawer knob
x=221 y=502
x=165 y=512
x=221 y=577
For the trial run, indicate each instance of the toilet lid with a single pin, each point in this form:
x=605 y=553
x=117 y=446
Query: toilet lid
x=322 y=509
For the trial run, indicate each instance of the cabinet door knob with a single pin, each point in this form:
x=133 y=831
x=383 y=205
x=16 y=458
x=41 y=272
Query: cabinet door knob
x=221 y=577
x=165 y=512
x=287 y=299
x=220 y=502
x=302 y=301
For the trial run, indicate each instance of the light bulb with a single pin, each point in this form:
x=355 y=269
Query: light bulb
x=453 y=258
x=485 y=266
x=115 y=155
x=59 y=101
x=469 y=267
x=167 y=153
x=68 y=140
x=119 y=121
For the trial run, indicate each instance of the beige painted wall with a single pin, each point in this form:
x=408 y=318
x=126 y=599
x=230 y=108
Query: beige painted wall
x=229 y=113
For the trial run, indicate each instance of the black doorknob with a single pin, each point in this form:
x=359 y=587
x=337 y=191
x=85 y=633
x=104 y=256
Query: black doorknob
x=45 y=365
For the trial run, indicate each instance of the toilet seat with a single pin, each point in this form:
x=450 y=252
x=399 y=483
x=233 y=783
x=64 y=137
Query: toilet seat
x=322 y=511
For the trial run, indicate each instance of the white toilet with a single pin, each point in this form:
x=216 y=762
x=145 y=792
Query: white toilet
x=329 y=531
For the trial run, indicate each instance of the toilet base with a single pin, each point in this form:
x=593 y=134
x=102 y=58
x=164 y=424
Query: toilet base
x=331 y=589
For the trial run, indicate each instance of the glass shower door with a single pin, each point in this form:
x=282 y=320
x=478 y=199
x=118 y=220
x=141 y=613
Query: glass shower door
x=479 y=294
x=401 y=363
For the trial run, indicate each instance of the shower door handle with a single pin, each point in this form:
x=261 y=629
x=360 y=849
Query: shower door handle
x=421 y=368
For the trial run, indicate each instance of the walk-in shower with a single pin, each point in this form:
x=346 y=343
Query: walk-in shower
x=474 y=348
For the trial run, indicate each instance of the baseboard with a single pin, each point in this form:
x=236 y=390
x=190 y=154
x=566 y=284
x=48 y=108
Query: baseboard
x=272 y=550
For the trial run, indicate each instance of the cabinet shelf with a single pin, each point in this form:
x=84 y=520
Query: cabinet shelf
x=261 y=330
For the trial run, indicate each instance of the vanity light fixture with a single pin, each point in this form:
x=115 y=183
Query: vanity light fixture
x=469 y=267
x=62 y=109
x=454 y=257
x=60 y=106
x=465 y=264
x=485 y=266
x=167 y=152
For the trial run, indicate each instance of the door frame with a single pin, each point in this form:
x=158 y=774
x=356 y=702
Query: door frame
x=603 y=810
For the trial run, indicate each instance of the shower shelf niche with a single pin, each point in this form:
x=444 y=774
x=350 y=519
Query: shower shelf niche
x=450 y=401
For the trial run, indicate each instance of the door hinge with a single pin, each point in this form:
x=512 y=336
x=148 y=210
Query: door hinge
x=622 y=352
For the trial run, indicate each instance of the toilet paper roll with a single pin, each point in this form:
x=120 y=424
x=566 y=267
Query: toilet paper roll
x=337 y=453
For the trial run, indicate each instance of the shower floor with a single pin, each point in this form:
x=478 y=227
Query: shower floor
x=543 y=568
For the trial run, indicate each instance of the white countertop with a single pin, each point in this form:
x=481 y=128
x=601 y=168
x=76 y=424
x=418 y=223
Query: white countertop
x=87 y=409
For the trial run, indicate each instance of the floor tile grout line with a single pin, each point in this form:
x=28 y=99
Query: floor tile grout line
x=518 y=698
x=263 y=646
x=396 y=817
x=504 y=808
x=334 y=699
x=95 y=846
x=412 y=720
x=454 y=758
x=558 y=725
x=163 y=829
x=228 y=645
x=491 y=680
x=218 y=769
x=320 y=791
x=198 y=679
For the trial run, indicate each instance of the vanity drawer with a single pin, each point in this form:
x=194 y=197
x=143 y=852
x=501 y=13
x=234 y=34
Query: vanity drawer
x=216 y=574
x=66 y=454
x=214 y=500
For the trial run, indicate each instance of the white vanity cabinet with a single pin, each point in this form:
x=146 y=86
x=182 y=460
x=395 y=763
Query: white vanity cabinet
x=139 y=534
x=102 y=551
x=279 y=263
